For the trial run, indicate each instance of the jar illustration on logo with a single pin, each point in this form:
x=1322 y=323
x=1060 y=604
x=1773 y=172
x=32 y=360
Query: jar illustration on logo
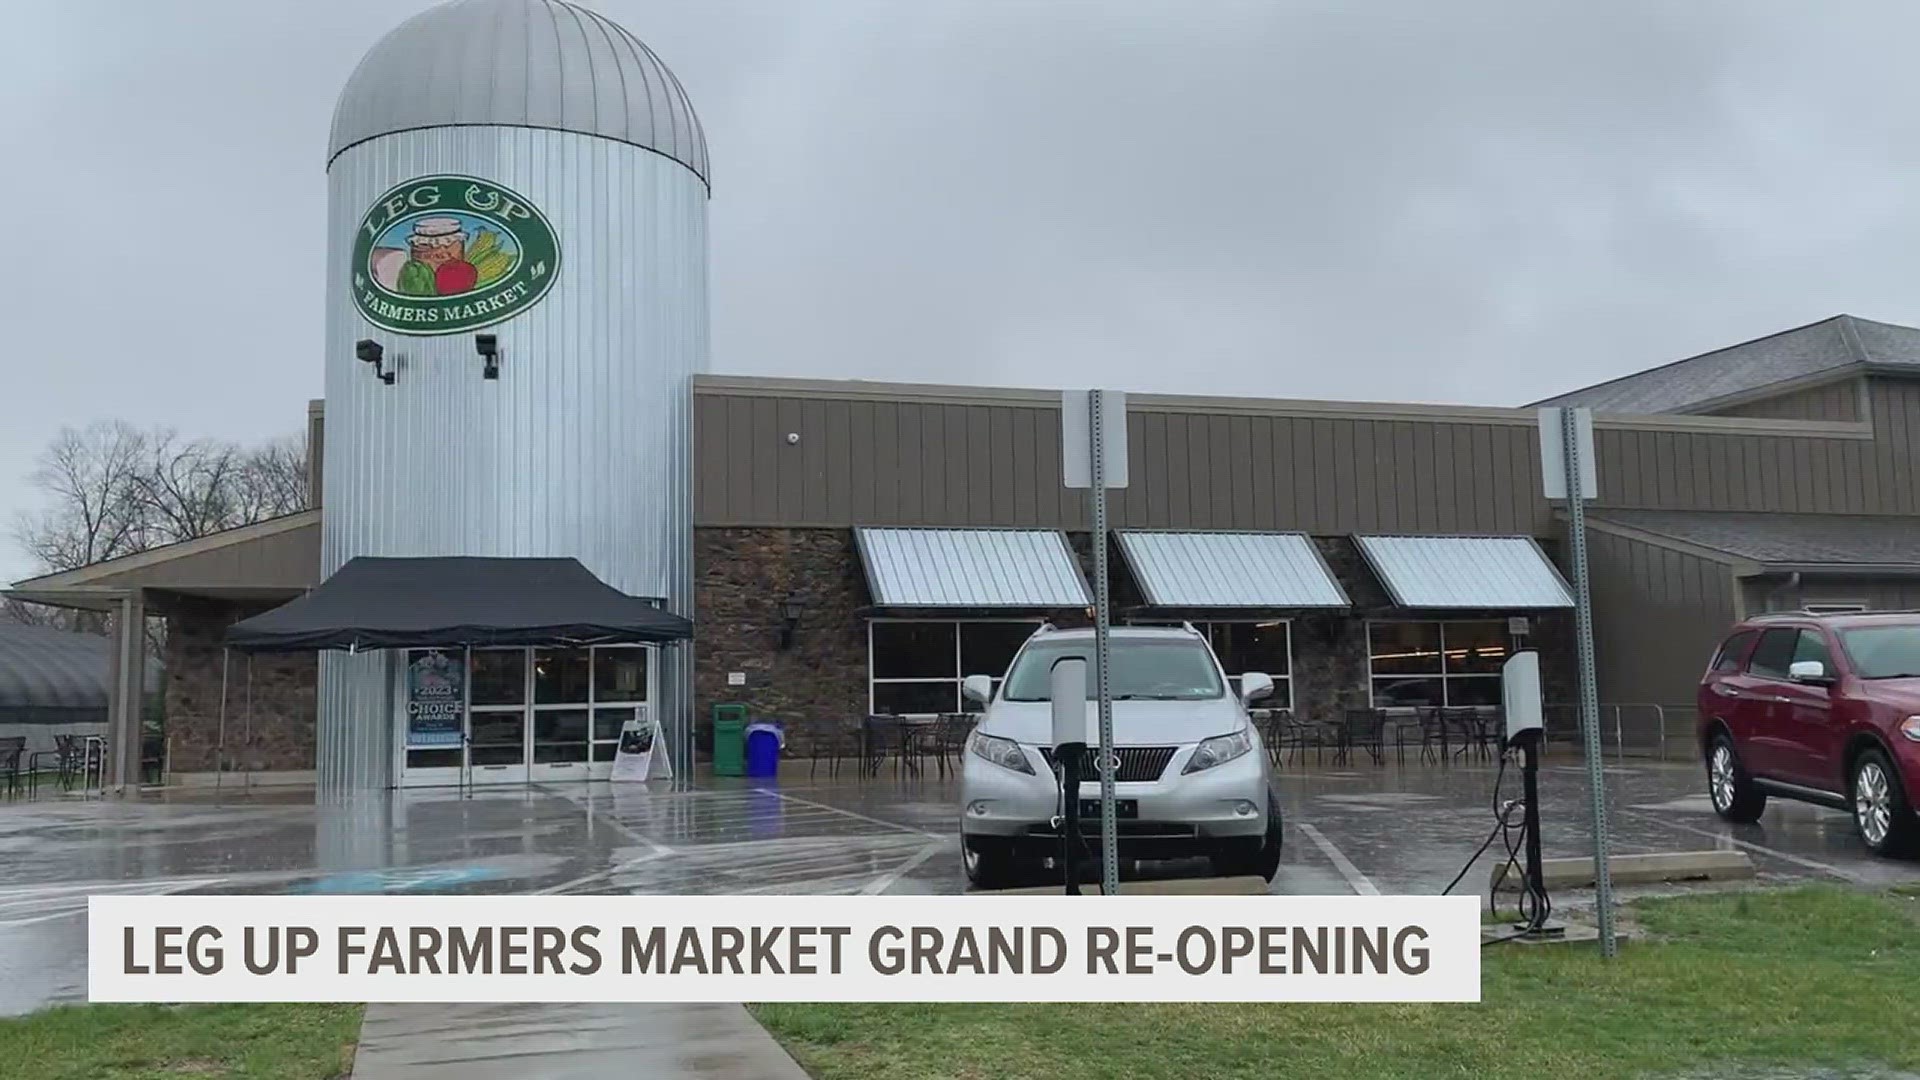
x=448 y=253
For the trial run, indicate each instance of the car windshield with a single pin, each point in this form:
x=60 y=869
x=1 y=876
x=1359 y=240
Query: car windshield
x=1138 y=669
x=1884 y=652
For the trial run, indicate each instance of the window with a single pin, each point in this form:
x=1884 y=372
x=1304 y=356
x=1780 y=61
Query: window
x=1734 y=652
x=1445 y=664
x=1774 y=653
x=916 y=667
x=547 y=706
x=1883 y=652
x=1813 y=646
x=1243 y=646
x=1172 y=669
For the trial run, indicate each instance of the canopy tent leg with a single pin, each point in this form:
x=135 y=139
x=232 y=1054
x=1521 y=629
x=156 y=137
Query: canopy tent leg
x=220 y=739
x=246 y=739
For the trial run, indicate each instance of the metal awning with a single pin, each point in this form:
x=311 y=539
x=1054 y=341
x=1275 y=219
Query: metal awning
x=1230 y=570
x=971 y=568
x=1486 y=572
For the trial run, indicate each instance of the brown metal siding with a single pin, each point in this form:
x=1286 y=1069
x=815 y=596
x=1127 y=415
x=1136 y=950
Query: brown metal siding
x=284 y=561
x=1834 y=401
x=949 y=461
x=1657 y=616
x=1879 y=593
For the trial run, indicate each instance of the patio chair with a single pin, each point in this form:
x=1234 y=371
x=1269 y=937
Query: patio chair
x=12 y=749
x=841 y=739
x=949 y=738
x=1366 y=729
x=1463 y=723
x=67 y=761
x=1433 y=734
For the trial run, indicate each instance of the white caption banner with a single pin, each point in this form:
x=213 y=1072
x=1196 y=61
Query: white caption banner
x=790 y=948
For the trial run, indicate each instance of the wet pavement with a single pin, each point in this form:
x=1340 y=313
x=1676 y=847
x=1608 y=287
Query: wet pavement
x=1360 y=828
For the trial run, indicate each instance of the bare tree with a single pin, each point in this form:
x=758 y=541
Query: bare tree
x=92 y=479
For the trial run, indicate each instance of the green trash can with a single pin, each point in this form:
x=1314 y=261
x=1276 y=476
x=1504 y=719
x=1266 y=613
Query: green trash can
x=729 y=740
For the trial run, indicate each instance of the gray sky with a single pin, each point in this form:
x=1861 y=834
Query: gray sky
x=1390 y=201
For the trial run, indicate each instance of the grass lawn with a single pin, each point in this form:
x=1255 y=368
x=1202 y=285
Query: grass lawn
x=122 y=1042
x=1806 y=977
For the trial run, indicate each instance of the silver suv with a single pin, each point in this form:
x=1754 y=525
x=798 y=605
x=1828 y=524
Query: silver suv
x=1193 y=779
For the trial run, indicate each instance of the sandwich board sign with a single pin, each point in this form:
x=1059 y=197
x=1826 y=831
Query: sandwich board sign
x=641 y=754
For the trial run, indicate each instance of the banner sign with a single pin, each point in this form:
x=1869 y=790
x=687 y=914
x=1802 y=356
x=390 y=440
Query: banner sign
x=436 y=698
x=805 y=948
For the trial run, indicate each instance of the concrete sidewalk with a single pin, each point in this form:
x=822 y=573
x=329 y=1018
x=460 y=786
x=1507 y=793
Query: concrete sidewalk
x=567 y=1042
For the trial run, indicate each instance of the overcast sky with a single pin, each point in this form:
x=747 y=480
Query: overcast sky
x=1388 y=201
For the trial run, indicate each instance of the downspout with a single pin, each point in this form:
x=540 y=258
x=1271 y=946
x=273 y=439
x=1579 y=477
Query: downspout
x=1792 y=582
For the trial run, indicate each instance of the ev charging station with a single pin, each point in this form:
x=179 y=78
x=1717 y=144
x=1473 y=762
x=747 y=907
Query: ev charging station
x=1069 y=691
x=1520 y=700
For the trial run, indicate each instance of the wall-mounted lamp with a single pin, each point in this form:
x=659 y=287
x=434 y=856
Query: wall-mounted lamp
x=370 y=351
x=789 y=619
x=488 y=347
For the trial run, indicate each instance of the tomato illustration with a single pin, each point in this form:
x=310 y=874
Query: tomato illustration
x=453 y=277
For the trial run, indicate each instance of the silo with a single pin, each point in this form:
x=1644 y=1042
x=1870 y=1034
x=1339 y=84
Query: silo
x=529 y=170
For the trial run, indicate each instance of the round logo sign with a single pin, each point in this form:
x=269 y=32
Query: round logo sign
x=443 y=254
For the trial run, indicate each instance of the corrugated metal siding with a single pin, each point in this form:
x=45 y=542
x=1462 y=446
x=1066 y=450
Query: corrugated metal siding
x=941 y=463
x=582 y=447
x=1465 y=572
x=1834 y=401
x=1657 y=615
x=1773 y=593
x=971 y=568
x=1223 y=569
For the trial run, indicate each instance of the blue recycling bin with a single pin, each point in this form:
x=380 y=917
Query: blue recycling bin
x=764 y=742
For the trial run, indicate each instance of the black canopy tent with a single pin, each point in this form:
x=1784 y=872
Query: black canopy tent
x=379 y=603
x=460 y=602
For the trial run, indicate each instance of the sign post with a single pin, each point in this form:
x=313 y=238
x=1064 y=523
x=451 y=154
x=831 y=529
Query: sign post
x=1568 y=472
x=1093 y=444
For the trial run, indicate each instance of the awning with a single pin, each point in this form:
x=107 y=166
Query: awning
x=1230 y=570
x=1026 y=569
x=376 y=603
x=1486 y=572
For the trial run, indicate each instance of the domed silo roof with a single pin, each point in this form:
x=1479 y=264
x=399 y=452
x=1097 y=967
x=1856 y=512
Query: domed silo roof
x=519 y=63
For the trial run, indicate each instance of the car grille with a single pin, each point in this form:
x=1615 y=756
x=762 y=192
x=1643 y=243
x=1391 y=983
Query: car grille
x=1137 y=763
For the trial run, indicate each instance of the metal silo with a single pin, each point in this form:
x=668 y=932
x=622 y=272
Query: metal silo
x=529 y=170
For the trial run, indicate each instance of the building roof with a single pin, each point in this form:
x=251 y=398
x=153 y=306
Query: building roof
x=1031 y=569
x=45 y=668
x=1831 y=347
x=1230 y=570
x=519 y=63
x=1480 y=572
x=1812 y=542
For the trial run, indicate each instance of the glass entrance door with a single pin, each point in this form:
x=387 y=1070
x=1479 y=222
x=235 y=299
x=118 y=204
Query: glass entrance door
x=518 y=715
x=497 y=717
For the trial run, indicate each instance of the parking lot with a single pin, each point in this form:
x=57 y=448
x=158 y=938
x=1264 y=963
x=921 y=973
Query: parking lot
x=1359 y=829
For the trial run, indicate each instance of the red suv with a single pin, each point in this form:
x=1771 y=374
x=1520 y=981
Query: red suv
x=1820 y=708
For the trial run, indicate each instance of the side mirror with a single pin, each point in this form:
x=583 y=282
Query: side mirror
x=1808 y=671
x=1255 y=685
x=977 y=688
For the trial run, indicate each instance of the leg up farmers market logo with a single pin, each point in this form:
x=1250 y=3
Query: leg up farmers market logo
x=442 y=254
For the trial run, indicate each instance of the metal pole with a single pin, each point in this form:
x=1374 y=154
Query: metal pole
x=1109 y=823
x=246 y=739
x=1589 y=694
x=220 y=742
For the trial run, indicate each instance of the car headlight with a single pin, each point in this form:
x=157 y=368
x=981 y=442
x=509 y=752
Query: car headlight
x=1219 y=750
x=1910 y=727
x=1002 y=752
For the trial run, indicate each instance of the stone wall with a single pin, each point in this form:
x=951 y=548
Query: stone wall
x=280 y=734
x=743 y=577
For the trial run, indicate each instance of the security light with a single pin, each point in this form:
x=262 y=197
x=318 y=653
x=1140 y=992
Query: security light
x=371 y=352
x=488 y=346
x=789 y=619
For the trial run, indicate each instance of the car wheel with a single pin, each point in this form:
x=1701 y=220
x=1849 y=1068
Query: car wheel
x=1735 y=798
x=1263 y=861
x=988 y=865
x=1880 y=809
